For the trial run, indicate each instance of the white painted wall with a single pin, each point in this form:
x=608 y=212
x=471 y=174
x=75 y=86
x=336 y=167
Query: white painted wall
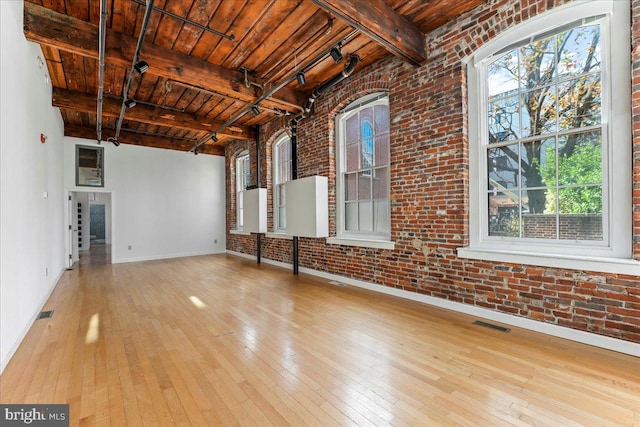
x=31 y=226
x=164 y=203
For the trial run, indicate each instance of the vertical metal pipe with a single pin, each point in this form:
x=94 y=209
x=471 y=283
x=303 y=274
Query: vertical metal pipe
x=294 y=175
x=136 y=56
x=101 y=54
x=259 y=235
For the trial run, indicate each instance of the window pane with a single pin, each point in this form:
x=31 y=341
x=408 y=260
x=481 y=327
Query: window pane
x=240 y=199
x=539 y=226
x=281 y=190
x=353 y=129
x=539 y=112
x=537 y=66
x=366 y=115
x=538 y=163
x=381 y=215
x=380 y=180
x=351 y=187
x=351 y=216
x=282 y=216
x=382 y=149
x=367 y=145
x=364 y=185
x=365 y=216
x=503 y=74
x=381 y=119
x=538 y=201
x=580 y=51
x=502 y=166
x=580 y=159
x=352 y=157
x=581 y=213
x=504 y=119
x=504 y=215
x=579 y=102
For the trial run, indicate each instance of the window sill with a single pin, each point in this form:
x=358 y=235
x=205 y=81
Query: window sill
x=585 y=263
x=274 y=235
x=240 y=232
x=364 y=243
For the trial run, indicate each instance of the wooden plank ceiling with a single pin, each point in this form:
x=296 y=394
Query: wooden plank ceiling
x=196 y=82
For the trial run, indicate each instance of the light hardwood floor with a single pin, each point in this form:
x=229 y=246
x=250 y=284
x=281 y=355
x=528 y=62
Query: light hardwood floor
x=219 y=340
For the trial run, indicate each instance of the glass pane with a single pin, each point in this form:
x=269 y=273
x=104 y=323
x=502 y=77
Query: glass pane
x=380 y=183
x=503 y=215
x=382 y=149
x=539 y=225
x=504 y=119
x=538 y=163
x=364 y=185
x=502 y=167
x=381 y=215
x=366 y=115
x=537 y=67
x=581 y=200
x=351 y=216
x=365 y=216
x=367 y=146
x=581 y=213
x=579 y=51
x=579 y=102
x=240 y=199
x=539 y=201
x=580 y=159
x=503 y=74
x=282 y=217
x=539 y=112
x=353 y=129
x=352 y=157
x=381 y=119
x=282 y=196
x=351 y=186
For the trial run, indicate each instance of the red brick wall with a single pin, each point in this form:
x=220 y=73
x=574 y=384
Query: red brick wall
x=429 y=178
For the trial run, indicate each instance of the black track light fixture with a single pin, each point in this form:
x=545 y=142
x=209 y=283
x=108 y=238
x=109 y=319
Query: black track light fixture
x=116 y=143
x=129 y=103
x=255 y=110
x=195 y=151
x=336 y=54
x=302 y=80
x=141 y=67
x=214 y=138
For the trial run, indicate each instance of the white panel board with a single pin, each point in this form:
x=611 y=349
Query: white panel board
x=308 y=207
x=255 y=211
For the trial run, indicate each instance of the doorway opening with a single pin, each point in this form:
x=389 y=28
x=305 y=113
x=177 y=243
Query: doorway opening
x=89 y=227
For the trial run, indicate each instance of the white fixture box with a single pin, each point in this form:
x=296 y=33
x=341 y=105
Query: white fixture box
x=255 y=211
x=307 y=207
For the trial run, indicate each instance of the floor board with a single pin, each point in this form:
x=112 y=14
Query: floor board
x=220 y=340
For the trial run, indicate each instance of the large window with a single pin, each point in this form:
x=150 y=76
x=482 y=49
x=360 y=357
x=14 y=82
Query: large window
x=243 y=171
x=281 y=174
x=363 y=169
x=548 y=117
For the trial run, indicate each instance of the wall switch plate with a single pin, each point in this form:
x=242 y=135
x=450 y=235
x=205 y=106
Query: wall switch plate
x=129 y=247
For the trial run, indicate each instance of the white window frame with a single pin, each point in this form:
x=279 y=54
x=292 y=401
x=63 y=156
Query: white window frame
x=276 y=167
x=615 y=253
x=242 y=168
x=352 y=238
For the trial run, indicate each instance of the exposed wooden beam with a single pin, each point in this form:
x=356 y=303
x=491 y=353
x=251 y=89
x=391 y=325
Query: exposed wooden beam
x=379 y=21
x=51 y=28
x=142 y=139
x=79 y=101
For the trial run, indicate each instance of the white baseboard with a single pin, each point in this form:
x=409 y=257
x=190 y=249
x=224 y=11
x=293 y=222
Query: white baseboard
x=165 y=256
x=583 y=337
x=16 y=344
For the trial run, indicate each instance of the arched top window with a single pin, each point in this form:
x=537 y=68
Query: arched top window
x=281 y=166
x=243 y=173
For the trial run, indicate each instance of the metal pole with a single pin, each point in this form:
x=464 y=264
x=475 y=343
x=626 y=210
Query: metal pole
x=101 y=55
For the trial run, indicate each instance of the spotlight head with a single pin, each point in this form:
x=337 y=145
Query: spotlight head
x=302 y=80
x=214 y=138
x=336 y=54
x=129 y=103
x=255 y=110
x=195 y=151
x=141 y=67
x=116 y=143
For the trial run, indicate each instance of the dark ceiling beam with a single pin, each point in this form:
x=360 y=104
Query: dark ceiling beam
x=133 y=138
x=378 y=20
x=45 y=26
x=79 y=101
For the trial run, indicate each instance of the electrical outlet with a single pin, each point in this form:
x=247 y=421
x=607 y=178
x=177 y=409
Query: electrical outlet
x=215 y=241
x=129 y=247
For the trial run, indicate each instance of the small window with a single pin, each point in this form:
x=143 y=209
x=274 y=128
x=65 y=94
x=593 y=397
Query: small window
x=242 y=180
x=363 y=169
x=281 y=174
x=89 y=166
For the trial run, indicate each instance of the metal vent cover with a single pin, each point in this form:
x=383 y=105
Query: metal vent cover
x=45 y=314
x=492 y=326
